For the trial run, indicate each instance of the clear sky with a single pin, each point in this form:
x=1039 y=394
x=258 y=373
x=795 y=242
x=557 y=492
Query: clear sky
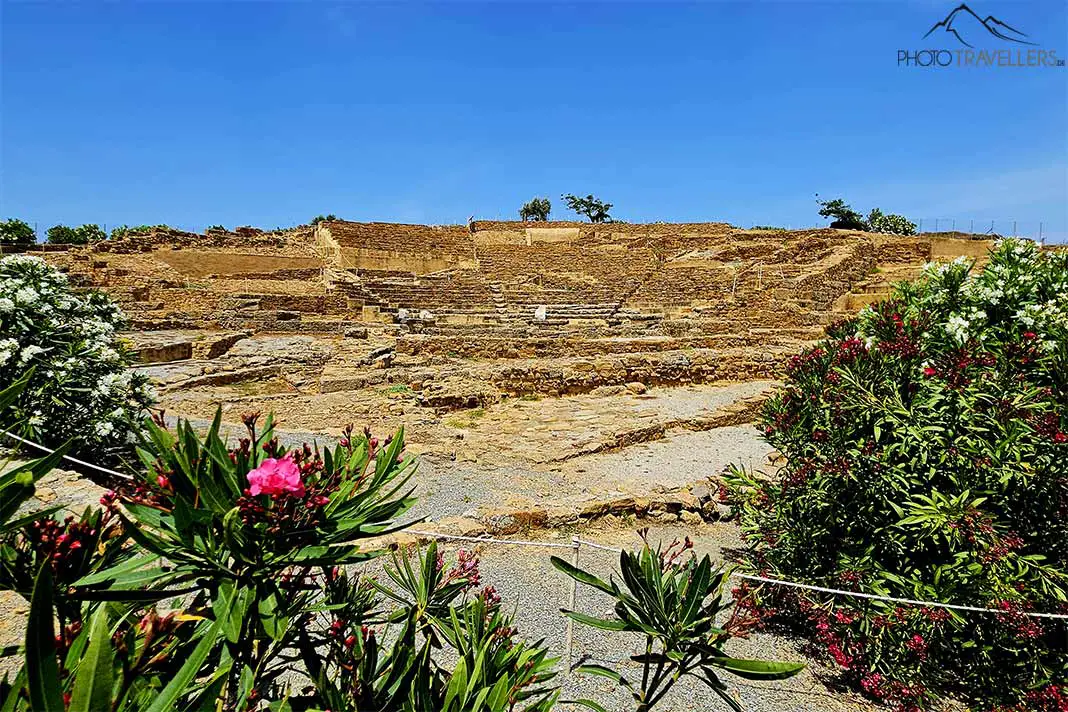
x=195 y=113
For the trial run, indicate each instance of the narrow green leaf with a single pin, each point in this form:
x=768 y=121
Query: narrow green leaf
x=757 y=669
x=92 y=686
x=42 y=670
x=180 y=683
x=600 y=623
x=581 y=576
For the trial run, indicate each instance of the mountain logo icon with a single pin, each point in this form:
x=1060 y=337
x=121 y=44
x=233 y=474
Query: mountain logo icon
x=962 y=22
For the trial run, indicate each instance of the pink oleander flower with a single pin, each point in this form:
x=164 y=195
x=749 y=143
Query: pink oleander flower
x=276 y=476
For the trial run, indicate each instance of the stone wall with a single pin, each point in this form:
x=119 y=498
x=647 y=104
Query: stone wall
x=201 y=263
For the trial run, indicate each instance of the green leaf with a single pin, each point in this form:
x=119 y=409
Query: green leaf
x=581 y=576
x=167 y=701
x=589 y=704
x=92 y=687
x=757 y=669
x=42 y=670
x=594 y=622
x=602 y=671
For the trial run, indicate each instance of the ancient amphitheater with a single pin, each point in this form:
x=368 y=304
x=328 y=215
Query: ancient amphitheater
x=588 y=370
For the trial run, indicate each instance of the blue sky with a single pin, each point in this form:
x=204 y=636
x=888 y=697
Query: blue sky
x=196 y=113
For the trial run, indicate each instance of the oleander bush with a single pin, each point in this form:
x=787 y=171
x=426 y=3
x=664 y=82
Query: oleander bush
x=16 y=232
x=926 y=457
x=891 y=224
x=231 y=578
x=79 y=387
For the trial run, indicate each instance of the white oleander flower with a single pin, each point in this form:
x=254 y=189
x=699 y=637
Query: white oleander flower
x=29 y=352
x=957 y=327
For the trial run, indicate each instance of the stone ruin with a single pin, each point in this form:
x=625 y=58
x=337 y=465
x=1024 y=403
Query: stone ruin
x=346 y=320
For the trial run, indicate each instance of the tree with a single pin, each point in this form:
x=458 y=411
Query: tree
x=537 y=210
x=844 y=217
x=593 y=208
x=323 y=218
x=83 y=235
x=16 y=232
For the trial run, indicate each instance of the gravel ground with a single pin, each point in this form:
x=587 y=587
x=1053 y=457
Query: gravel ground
x=677 y=460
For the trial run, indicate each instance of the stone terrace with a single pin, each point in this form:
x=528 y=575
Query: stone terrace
x=463 y=317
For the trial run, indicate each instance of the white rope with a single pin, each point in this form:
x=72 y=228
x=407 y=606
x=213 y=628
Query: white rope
x=841 y=592
x=911 y=601
x=50 y=451
x=593 y=545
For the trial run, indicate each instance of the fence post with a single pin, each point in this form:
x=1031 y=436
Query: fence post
x=575 y=543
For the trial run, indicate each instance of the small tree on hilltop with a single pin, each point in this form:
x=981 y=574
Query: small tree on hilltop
x=63 y=235
x=843 y=217
x=83 y=235
x=596 y=210
x=16 y=232
x=537 y=210
x=323 y=218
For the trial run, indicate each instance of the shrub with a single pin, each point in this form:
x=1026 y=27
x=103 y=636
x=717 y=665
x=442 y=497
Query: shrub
x=80 y=387
x=323 y=218
x=16 y=232
x=82 y=235
x=536 y=210
x=672 y=599
x=123 y=231
x=843 y=216
x=926 y=457
x=594 y=209
x=890 y=224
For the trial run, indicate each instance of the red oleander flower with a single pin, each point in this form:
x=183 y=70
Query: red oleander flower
x=930 y=371
x=276 y=477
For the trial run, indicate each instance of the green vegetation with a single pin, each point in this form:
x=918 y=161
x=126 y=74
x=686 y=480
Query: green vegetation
x=80 y=385
x=845 y=218
x=536 y=210
x=323 y=218
x=16 y=232
x=673 y=600
x=123 y=231
x=594 y=209
x=926 y=447
x=82 y=235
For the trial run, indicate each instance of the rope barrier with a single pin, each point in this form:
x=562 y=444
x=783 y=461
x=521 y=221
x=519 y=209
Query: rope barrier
x=576 y=543
x=50 y=451
x=893 y=599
